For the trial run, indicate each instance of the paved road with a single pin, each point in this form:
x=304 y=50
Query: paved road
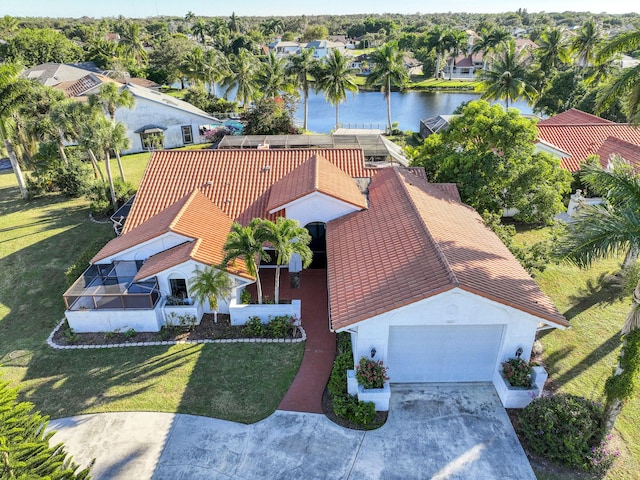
x=451 y=431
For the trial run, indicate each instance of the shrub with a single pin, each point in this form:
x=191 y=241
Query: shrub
x=100 y=196
x=601 y=459
x=349 y=407
x=82 y=263
x=517 y=372
x=280 y=326
x=563 y=428
x=245 y=296
x=129 y=334
x=338 y=379
x=371 y=373
x=254 y=328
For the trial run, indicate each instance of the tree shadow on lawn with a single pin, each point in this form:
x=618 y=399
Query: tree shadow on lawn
x=71 y=382
x=558 y=379
x=606 y=288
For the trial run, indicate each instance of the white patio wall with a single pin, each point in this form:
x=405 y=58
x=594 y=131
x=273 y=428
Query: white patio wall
x=83 y=321
x=240 y=313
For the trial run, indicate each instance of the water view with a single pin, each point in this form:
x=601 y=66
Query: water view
x=368 y=109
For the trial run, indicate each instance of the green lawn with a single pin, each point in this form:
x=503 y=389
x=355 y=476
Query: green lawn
x=39 y=239
x=580 y=359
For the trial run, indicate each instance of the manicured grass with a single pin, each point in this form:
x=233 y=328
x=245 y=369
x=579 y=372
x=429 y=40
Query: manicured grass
x=580 y=359
x=39 y=239
x=442 y=84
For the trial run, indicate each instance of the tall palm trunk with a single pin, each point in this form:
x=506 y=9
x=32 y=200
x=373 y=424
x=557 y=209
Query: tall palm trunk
x=120 y=165
x=438 y=60
x=112 y=189
x=24 y=193
x=94 y=162
x=258 y=286
x=306 y=107
x=388 y=99
x=61 y=151
x=337 y=114
x=630 y=258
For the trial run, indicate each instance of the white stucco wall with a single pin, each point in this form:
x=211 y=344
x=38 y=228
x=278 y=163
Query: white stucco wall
x=455 y=307
x=147 y=249
x=240 y=313
x=83 y=321
x=147 y=112
x=317 y=207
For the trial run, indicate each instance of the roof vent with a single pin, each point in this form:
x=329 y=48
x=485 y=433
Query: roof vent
x=266 y=168
x=209 y=183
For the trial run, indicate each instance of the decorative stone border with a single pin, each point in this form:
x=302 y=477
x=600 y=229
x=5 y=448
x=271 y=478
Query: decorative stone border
x=54 y=345
x=100 y=222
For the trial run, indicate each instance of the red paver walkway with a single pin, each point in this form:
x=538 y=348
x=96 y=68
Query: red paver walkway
x=305 y=393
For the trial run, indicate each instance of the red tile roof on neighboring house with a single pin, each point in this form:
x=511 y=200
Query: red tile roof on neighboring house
x=581 y=141
x=316 y=174
x=193 y=216
x=573 y=116
x=237 y=181
x=614 y=147
x=413 y=242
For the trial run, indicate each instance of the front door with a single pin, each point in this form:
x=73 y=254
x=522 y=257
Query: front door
x=318 y=245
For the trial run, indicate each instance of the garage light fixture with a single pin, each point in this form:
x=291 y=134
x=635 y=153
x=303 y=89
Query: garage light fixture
x=373 y=352
x=519 y=352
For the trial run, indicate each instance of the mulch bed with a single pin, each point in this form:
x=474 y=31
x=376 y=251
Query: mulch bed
x=327 y=408
x=207 y=329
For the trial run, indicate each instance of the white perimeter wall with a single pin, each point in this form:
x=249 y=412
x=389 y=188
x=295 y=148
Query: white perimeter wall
x=82 y=321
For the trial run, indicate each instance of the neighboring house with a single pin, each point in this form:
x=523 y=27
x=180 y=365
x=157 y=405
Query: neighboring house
x=412 y=272
x=574 y=135
x=321 y=48
x=156 y=120
x=52 y=74
x=431 y=125
x=284 y=49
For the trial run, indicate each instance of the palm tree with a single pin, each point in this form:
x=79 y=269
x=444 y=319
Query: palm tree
x=335 y=79
x=111 y=97
x=489 y=41
x=586 y=43
x=287 y=238
x=553 y=51
x=272 y=76
x=302 y=66
x=14 y=93
x=388 y=70
x=210 y=284
x=216 y=69
x=601 y=231
x=507 y=77
x=193 y=66
x=244 y=68
x=436 y=42
x=455 y=41
x=103 y=136
x=131 y=42
x=199 y=29
x=627 y=83
x=246 y=243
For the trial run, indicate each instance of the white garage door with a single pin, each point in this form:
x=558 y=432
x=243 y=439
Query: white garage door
x=443 y=353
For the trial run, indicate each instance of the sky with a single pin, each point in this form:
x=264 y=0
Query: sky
x=150 y=8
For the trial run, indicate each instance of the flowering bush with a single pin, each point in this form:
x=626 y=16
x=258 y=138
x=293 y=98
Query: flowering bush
x=564 y=428
x=517 y=372
x=371 y=374
x=601 y=458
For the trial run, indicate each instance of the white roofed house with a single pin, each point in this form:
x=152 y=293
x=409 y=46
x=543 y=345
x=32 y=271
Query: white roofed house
x=156 y=119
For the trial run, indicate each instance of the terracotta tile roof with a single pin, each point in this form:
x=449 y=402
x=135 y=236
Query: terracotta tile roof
x=316 y=174
x=237 y=181
x=580 y=141
x=573 y=116
x=192 y=216
x=612 y=147
x=445 y=245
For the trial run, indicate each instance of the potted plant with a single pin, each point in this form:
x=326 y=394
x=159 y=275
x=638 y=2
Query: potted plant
x=517 y=372
x=371 y=373
x=371 y=376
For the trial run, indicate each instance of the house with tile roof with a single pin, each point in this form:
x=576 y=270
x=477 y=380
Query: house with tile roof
x=412 y=273
x=574 y=136
x=156 y=118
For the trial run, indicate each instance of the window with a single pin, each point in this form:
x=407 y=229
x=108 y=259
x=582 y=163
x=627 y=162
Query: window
x=152 y=141
x=187 y=134
x=178 y=288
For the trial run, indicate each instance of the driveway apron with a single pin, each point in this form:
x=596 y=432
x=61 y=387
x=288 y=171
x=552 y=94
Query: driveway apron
x=446 y=431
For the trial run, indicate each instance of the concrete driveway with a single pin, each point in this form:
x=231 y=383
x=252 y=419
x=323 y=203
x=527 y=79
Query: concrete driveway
x=452 y=431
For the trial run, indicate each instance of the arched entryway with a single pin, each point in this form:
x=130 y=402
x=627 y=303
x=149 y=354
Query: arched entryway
x=318 y=245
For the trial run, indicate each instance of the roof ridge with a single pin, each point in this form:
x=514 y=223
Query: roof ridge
x=316 y=173
x=183 y=208
x=441 y=256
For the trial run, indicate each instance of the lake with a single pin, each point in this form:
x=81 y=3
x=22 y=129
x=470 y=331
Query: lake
x=369 y=109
